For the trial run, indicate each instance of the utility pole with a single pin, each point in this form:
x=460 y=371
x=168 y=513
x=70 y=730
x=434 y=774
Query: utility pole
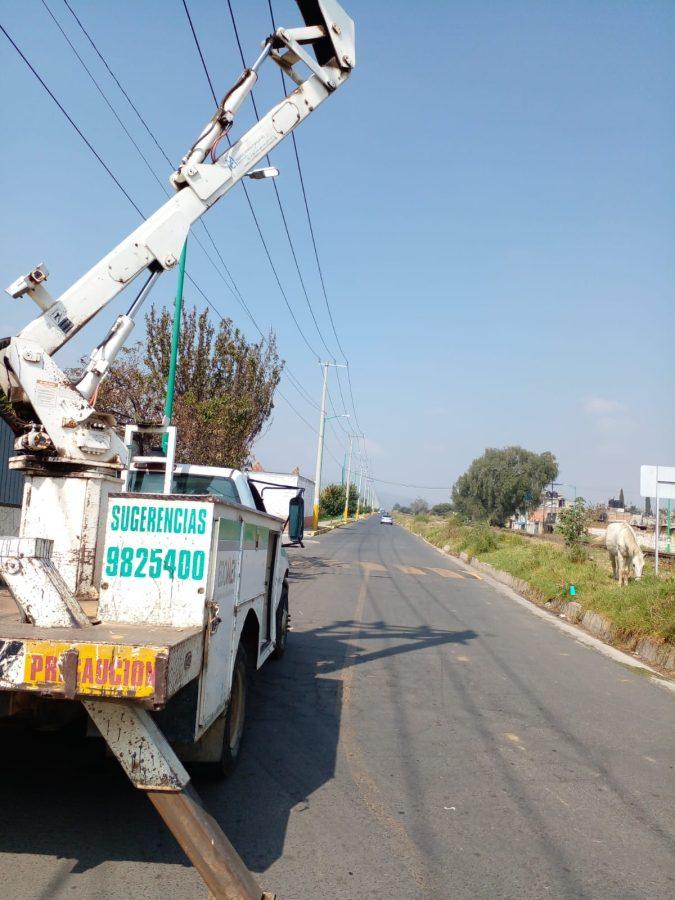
x=319 y=449
x=358 y=498
x=656 y=529
x=349 y=472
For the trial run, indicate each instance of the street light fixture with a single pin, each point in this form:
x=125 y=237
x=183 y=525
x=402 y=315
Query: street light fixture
x=265 y=172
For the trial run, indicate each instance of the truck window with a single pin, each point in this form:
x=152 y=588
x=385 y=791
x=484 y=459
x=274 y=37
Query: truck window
x=139 y=482
x=153 y=483
x=215 y=485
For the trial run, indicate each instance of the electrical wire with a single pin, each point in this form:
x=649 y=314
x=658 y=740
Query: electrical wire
x=71 y=120
x=249 y=202
x=316 y=254
x=309 y=217
x=233 y=288
x=199 y=50
x=115 y=79
x=118 y=182
x=105 y=98
x=276 y=191
x=419 y=487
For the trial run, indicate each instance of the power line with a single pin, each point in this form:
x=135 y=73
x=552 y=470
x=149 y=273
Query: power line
x=112 y=175
x=115 y=79
x=419 y=487
x=316 y=255
x=105 y=98
x=234 y=289
x=199 y=50
x=249 y=202
x=309 y=425
x=71 y=120
x=138 y=149
x=309 y=217
x=276 y=190
x=277 y=392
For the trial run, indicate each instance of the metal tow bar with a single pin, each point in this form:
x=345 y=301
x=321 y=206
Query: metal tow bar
x=130 y=731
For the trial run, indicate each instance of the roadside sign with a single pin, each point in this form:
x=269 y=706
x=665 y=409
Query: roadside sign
x=657 y=481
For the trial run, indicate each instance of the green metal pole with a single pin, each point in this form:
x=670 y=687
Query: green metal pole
x=175 y=335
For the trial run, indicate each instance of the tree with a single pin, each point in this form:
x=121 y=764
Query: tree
x=648 y=506
x=622 y=501
x=224 y=386
x=502 y=481
x=441 y=509
x=332 y=502
x=571 y=524
x=419 y=507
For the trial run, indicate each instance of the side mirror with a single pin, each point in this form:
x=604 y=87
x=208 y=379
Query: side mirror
x=296 y=520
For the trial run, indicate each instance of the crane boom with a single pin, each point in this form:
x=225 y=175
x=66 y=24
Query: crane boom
x=58 y=417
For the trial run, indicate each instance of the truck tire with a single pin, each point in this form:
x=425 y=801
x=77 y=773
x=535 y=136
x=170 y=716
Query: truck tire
x=283 y=618
x=235 y=718
x=236 y=713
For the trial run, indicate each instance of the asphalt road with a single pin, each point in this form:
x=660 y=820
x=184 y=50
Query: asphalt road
x=425 y=736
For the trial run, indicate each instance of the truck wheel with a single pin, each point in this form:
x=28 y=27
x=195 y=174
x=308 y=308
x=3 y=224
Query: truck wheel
x=236 y=713
x=233 y=729
x=283 y=619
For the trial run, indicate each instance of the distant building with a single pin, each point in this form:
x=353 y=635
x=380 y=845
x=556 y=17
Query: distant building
x=542 y=519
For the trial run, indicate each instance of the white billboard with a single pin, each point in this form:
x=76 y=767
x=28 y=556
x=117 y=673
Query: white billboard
x=657 y=481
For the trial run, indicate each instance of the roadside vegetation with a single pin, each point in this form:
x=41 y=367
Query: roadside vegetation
x=644 y=608
x=332 y=502
x=224 y=392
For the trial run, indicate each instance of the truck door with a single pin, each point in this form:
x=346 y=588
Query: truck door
x=222 y=590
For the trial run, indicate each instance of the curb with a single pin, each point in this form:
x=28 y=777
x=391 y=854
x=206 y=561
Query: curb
x=647 y=650
x=331 y=526
x=324 y=529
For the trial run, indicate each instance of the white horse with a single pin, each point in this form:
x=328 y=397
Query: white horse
x=624 y=551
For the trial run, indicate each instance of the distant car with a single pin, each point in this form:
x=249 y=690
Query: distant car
x=386 y=519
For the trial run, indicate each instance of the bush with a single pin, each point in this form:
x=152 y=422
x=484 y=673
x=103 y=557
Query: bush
x=572 y=523
x=577 y=553
x=333 y=500
x=479 y=539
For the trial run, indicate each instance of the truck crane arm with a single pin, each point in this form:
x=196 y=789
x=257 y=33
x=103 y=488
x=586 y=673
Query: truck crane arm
x=59 y=418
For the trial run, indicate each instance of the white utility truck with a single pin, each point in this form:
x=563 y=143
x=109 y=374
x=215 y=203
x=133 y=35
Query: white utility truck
x=139 y=587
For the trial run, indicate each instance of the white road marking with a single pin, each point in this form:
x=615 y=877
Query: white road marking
x=446 y=573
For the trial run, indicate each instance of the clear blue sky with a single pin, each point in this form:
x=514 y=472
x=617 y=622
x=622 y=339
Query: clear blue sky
x=493 y=195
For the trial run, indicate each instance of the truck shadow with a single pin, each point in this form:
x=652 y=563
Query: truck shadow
x=61 y=799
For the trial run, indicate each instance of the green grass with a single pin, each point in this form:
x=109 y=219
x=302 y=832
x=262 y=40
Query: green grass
x=645 y=608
